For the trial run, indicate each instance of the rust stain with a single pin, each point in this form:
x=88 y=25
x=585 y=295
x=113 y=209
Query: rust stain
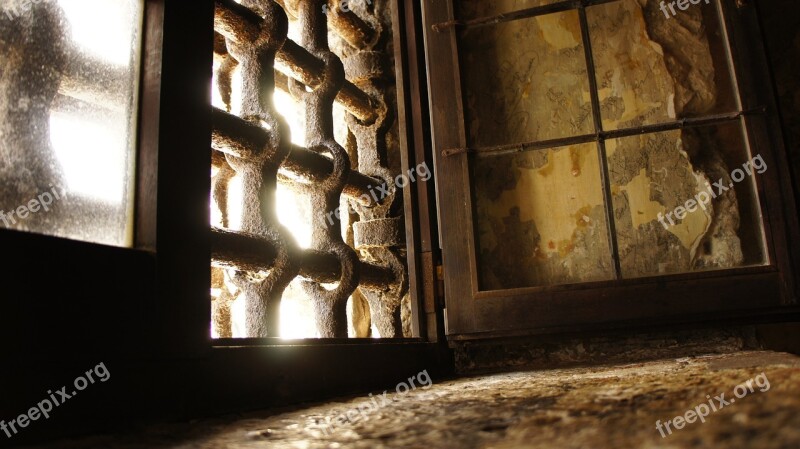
x=565 y=247
x=575 y=156
x=582 y=217
x=548 y=168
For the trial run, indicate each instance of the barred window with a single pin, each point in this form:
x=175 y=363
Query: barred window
x=308 y=237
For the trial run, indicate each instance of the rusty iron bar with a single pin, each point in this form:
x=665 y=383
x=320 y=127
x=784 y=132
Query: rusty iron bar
x=241 y=138
x=330 y=305
x=240 y=24
x=259 y=174
x=245 y=252
x=347 y=24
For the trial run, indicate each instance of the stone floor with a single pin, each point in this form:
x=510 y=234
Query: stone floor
x=597 y=407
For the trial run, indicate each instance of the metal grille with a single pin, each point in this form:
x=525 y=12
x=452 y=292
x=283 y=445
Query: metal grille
x=262 y=258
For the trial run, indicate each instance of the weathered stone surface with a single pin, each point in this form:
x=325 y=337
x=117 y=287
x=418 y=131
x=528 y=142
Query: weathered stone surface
x=601 y=407
x=652 y=175
x=526 y=80
x=558 y=351
x=541 y=219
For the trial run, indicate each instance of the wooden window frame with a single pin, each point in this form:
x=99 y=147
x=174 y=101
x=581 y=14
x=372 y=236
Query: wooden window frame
x=690 y=297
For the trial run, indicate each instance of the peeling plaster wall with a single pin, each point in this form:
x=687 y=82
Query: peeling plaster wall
x=540 y=216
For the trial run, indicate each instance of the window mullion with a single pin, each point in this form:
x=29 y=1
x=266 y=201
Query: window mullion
x=601 y=144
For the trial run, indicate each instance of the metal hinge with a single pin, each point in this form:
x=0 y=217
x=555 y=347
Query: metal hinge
x=440 y=284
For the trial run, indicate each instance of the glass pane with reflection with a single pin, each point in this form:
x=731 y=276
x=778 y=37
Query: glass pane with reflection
x=68 y=90
x=685 y=200
x=652 y=69
x=525 y=80
x=540 y=218
x=473 y=9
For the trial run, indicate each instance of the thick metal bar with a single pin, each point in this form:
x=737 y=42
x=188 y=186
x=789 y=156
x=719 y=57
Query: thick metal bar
x=86 y=81
x=239 y=24
x=348 y=25
x=601 y=143
x=237 y=137
x=238 y=250
x=520 y=14
x=294 y=58
x=240 y=138
x=691 y=122
x=251 y=253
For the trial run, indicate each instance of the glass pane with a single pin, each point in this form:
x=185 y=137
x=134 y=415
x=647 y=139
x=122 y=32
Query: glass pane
x=472 y=9
x=526 y=80
x=684 y=201
x=653 y=69
x=540 y=218
x=67 y=117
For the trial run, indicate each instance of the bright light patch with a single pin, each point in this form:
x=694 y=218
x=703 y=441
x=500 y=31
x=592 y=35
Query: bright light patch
x=293 y=214
x=238 y=329
x=290 y=110
x=216 y=97
x=102 y=28
x=297 y=313
x=86 y=151
x=235 y=203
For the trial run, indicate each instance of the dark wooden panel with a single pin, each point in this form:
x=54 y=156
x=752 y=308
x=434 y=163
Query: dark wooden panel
x=418 y=197
x=447 y=124
x=410 y=195
x=775 y=190
x=149 y=122
x=183 y=174
x=63 y=298
x=647 y=303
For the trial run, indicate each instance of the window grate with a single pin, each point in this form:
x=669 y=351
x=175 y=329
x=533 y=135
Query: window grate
x=262 y=258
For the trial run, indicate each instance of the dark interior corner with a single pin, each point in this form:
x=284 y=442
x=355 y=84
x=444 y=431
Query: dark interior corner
x=400 y=224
